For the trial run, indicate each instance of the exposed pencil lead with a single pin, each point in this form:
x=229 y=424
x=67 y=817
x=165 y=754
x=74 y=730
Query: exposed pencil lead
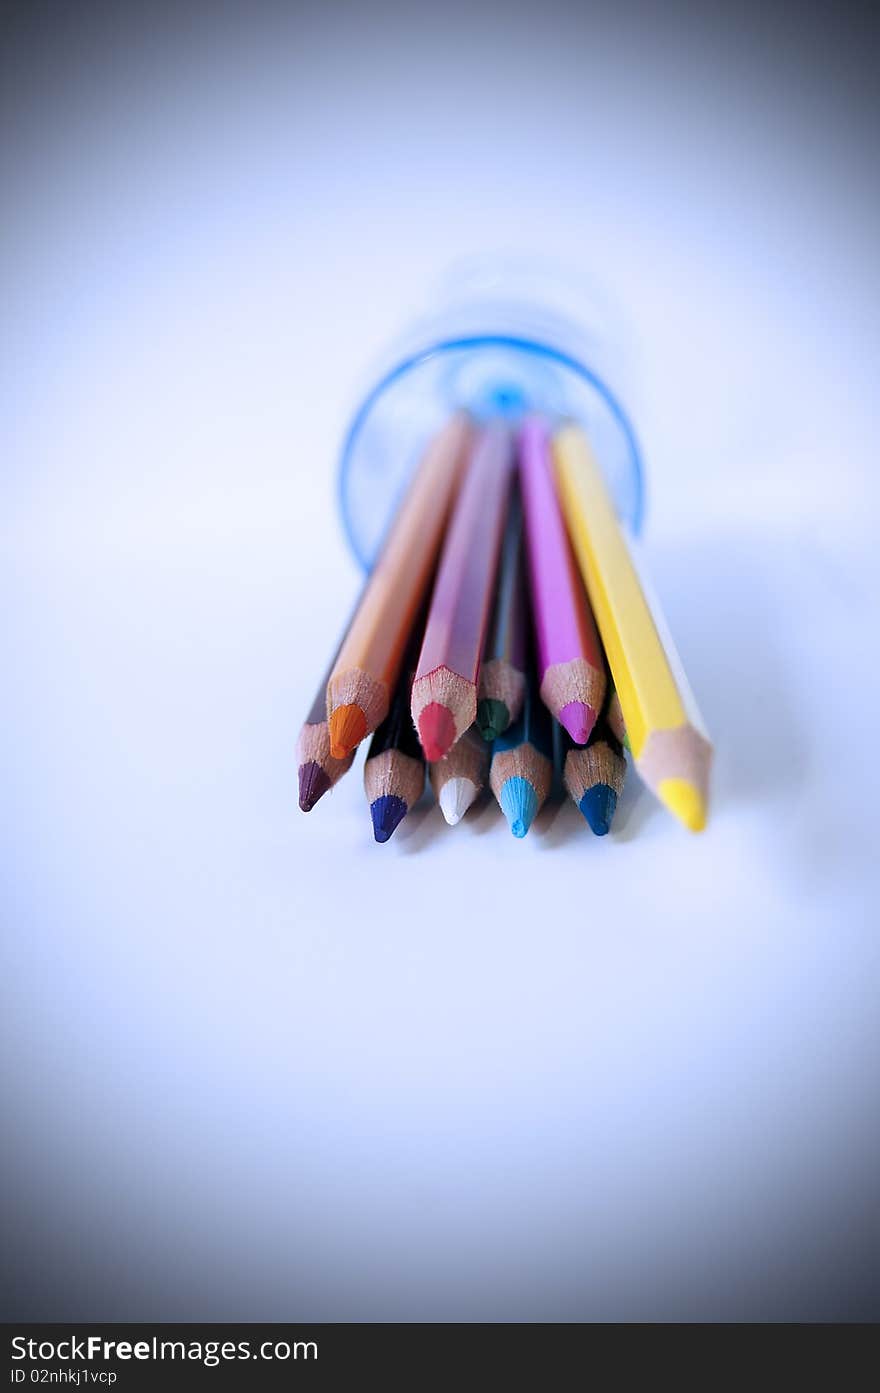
x=598 y=806
x=387 y=813
x=493 y=717
x=578 y=719
x=686 y=801
x=456 y=796
x=348 y=726
x=313 y=784
x=436 y=730
x=519 y=803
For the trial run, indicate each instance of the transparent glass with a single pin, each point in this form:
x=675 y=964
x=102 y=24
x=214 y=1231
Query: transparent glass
x=501 y=338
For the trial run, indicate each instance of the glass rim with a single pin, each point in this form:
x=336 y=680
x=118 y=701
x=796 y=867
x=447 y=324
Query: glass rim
x=536 y=348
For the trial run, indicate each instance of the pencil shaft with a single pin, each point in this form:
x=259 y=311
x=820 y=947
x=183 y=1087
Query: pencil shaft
x=397 y=732
x=507 y=631
x=662 y=723
x=502 y=670
x=459 y=613
x=564 y=626
x=371 y=653
x=642 y=667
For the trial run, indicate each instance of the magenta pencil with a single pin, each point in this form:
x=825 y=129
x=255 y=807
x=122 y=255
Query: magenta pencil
x=571 y=669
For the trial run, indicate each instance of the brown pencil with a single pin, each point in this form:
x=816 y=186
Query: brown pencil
x=444 y=695
x=369 y=662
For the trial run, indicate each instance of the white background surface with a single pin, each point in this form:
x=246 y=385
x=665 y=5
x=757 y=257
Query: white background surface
x=258 y=1066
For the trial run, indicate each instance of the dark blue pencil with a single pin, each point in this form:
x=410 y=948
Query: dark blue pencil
x=394 y=774
x=594 y=777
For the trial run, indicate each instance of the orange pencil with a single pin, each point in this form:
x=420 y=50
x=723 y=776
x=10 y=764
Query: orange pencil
x=368 y=666
x=444 y=694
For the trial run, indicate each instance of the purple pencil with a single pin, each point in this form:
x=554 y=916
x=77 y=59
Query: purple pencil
x=571 y=668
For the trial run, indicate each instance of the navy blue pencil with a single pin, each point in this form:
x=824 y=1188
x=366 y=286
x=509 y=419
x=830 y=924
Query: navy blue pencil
x=394 y=774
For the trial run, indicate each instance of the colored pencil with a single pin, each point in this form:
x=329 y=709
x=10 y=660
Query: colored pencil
x=614 y=717
x=318 y=771
x=571 y=670
x=521 y=772
x=370 y=659
x=459 y=778
x=594 y=776
x=394 y=772
x=666 y=735
x=444 y=695
x=502 y=671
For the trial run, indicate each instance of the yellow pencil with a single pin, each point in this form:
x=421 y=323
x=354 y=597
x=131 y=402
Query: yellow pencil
x=666 y=735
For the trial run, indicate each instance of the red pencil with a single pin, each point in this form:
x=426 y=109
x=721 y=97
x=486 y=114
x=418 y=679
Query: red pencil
x=444 y=694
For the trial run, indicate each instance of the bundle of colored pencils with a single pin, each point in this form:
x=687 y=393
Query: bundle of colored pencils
x=507 y=618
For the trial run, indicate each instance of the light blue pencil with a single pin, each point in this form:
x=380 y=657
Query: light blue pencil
x=522 y=764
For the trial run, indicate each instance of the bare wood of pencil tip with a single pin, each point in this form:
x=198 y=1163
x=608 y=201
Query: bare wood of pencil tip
x=369 y=662
x=614 y=717
x=317 y=770
x=444 y=696
x=594 y=777
x=394 y=772
x=459 y=777
x=521 y=772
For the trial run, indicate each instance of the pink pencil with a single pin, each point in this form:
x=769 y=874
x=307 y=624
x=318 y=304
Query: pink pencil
x=571 y=669
x=444 y=693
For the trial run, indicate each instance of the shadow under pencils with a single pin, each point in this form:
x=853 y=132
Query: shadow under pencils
x=418 y=828
x=635 y=807
x=551 y=828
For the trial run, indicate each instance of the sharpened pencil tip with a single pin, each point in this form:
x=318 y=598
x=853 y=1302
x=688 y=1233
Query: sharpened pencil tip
x=519 y=803
x=313 y=784
x=387 y=813
x=686 y=801
x=348 y=726
x=578 y=719
x=456 y=796
x=598 y=806
x=436 y=730
x=493 y=717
